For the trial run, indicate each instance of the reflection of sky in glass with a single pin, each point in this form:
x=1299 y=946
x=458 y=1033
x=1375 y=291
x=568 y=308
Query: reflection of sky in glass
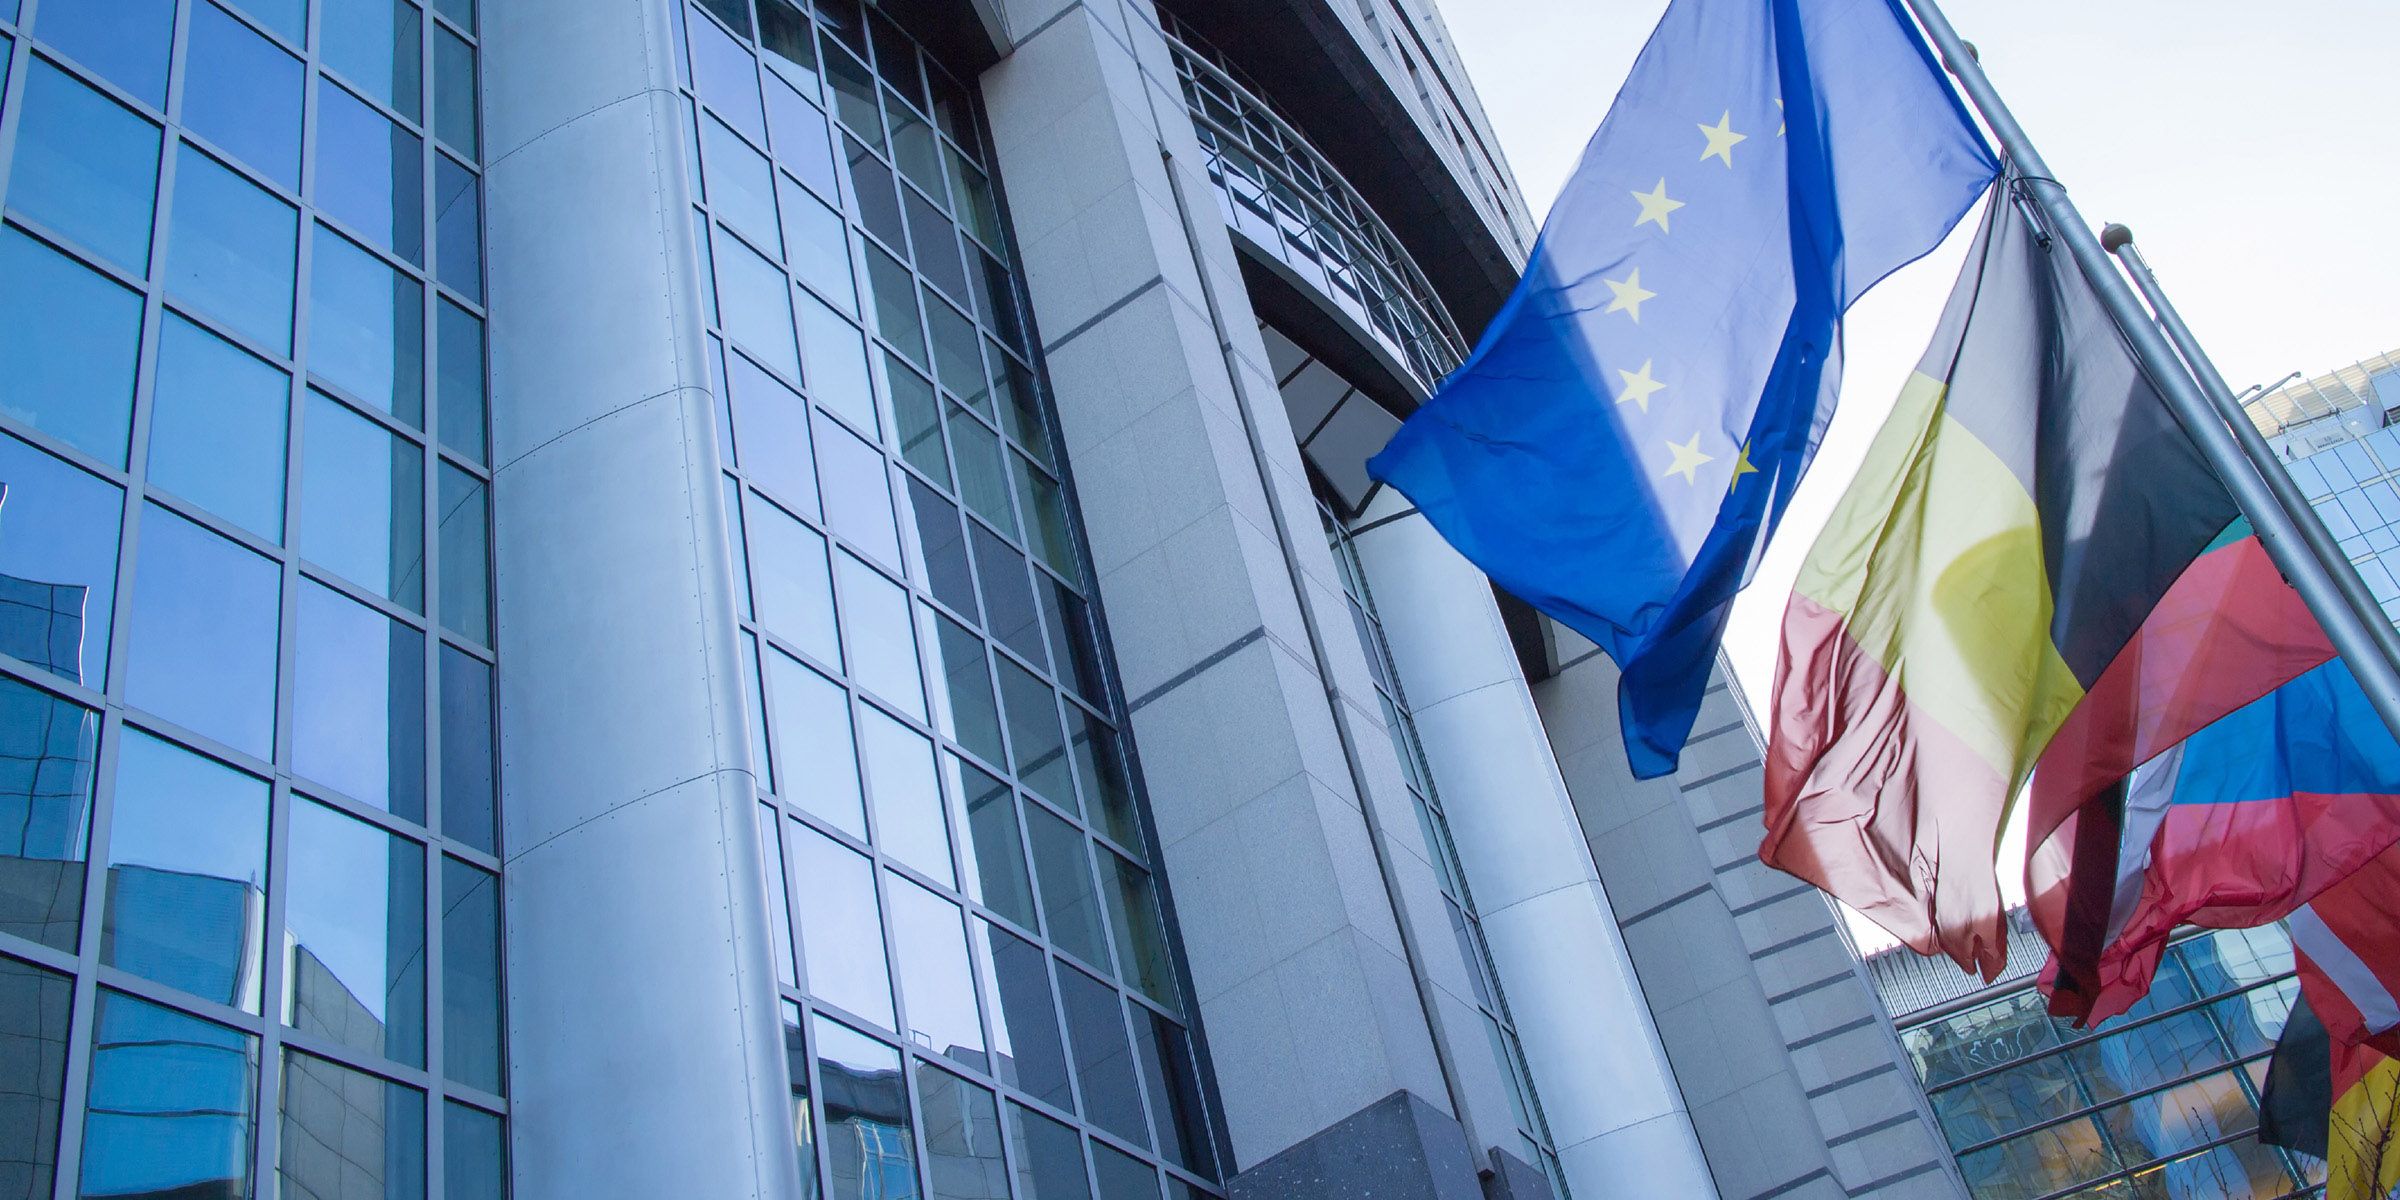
x=58 y=526
x=177 y=811
x=337 y=900
x=170 y=1103
x=843 y=939
x=908 y=803
x=358 y=705
x=937 y=985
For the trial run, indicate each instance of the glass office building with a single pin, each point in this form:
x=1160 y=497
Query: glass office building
x=2336 y=438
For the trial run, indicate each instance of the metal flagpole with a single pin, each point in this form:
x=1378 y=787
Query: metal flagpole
x=2119 y=240
x=2349 y=628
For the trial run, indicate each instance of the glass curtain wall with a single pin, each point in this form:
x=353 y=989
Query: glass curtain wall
x=1533 y=1130
x=980 y=999
x=2158 y=1104
x=249 y=910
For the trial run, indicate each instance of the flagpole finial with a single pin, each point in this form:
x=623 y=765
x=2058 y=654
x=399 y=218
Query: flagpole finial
x=2115 y=237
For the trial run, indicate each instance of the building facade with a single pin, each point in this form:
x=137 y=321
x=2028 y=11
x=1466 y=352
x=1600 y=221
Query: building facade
x=779 y=598
x=2336 y=438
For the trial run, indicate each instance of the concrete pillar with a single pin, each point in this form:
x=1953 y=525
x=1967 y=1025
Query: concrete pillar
x=1612 y=1100
x=642 y=1008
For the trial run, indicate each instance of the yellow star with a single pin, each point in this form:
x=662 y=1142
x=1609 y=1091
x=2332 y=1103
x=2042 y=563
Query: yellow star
x=1639 y=387
x=1656 y=207
x=1741 y=467
x=1721 y=140
x=1688 y=460
x=1629 y=295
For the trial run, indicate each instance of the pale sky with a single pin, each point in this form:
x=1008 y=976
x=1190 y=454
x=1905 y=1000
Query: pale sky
x=2254 y=148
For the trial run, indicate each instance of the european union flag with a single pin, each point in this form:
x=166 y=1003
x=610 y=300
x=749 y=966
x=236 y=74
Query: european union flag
x=1636 y=417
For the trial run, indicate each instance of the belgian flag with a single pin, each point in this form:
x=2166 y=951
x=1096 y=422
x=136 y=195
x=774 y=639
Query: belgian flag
x=2032 y=544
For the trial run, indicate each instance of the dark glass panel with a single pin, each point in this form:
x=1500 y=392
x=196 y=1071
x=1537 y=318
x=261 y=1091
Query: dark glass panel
x=218 y=425
x=1120 y=1176
x=817 y=244
x=877 y=631
x=957 y=354
x=376 y=45
x=953 y=109
x=756 y=305
x=983 y=475
x=170 y=1107
x=466 y=566
x=841 y=933
x=771 y=427
x=70 y=336
x=940 y=548
x=1047 y=532
x=347 y=1133
x=58 y=563
x=917 y=153
x=971 y=198
x=866 y=1116
x=125 y=42
x=203 y=634
x=86 y=166
x=878 y=197
x=998 y=300
x=858 y=492
x=33 y=1068
x=1030 y=1055
x=470 y=810
x=919 y=416
x=47 y=749
x=740 y=185
x=471 y=1021
x=454 y=91
x=895 y=296
x=895 y=57
x=362 y=501
x=791 y=580
x=1020 y=407
x=1008 y=608
x=735 y=13
x=460 y=12
x=474 y=1149
x=187 y=872
x=367 y=328
x=937 y=252
x=232 y=252
x=242 y=92
x=962 y=1138
x=1070 y=904
x=1107 y=791
x=790 y=41
x=370 y=173
x=937 y=986
x=457 y=228
x=354 y=934
x=837 y=363
x=1049 y=1157
x=1141 y=937
x=1173 y=1082
x=963 y=674
x=1103 y=1057
x=814 y=745
x=842 y=19
x=726 y=77
x=1069 y=620
x=358 y=704
x=995 y=856
x=803 y=143
x=1034 y=732
x=854 y=98
x=907 y=799
x=458 y=381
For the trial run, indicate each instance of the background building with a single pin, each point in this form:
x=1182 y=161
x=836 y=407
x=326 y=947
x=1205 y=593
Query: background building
x=842 y=529
x=2336 y=437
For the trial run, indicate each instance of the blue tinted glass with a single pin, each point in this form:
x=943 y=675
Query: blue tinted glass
x=187 y=871
x=818 y=245
x=125 y=41
x=1070 y=906
x=907 y=796
x=217 y=426
x=47 y=747
x=469 y=814
x=460 y=12
x=203 y=635
x=457 y=229
x=375 y=45
x=362 y=501
x=1049 y=1157
x=740 y=184
x=802 y=141
x=1034 y=730
x=470 y=975
x=1103 y=1058
x=844 y=935
x=474 y=1149
x=813 y=739
x=454 y=91
x=170 y=1104
x=790 y=580
x=354 y=934
x=358 y=703
x=858 y=492
x=937 y=983
x=347 y=1133
x=466 y=608
x=867 y=1140
x=243 y=93
x=837 y=363
x=877 y=631
x=458 y=380
x=58 y=553
x=1118 y=1176
x=231 y=250
x=287 y=17
x=727 y=78
x=771 y=426
x=370 y=172
x=33 y=1017
x=367 y=328
x=87 y=167
x=756 y=306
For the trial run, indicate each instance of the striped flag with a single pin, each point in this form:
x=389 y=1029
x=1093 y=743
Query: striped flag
x=2005 y=547
x=2348 y=941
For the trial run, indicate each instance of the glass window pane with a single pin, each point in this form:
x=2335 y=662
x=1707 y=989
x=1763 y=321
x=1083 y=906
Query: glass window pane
x=466 y=568
x=741 y=186
x=362 y=501
x=1103 y=1057
x=348 y=1133
x=779 y=899
x=916 y=150
x=929 y=949
x=70 y=337
x=819 y=769
x=908 y=802
x=982 y=475
x=470 y=812
x=358 y=703
x=962 y=1138
x=939 y=548
x=1041 y=751
x=354 y=934
x=231 y=251
x=1141 y=938
x=818 y=245
x=376 y=45
x=1046 y=529
x=1027 y=1051
x=963 y=704
x=790 y=579
x=895 y=294
x=995 y=856
x=876 y=629
x=971 y=196
x=735 y=13
x=47 y=748
x=1070 y=906
x=170 y=1105
x=1121 y=1176
x=841 y=935
x=771 y=430
x=367 y=328
x=125 y=41
x=203 y=635
x=802 y=141
x=866 y=1116
x=1069 y=620
x=33 y=1027
x=756 y=305
x=218 y=418
x=1173 y=1083
x=837 y=363
x=919 y=417
x=471 y=1023
x=370 y=173
x=1008 y=608
x=461 y=12
x=58 y=563
x=957 y=352
x=187 y=872
x=1108 y=796
x=854 y=96
x=287 y=17
x=457 y=228
x=726 y=77
x=86 y=166
x=474 y=1154
x=459 y=380
x=858 y=492
x=1049 y=1157
x=1020 y=406
x=804 y=1125
x=454 y=91
x=242 y=93
x=790 y=41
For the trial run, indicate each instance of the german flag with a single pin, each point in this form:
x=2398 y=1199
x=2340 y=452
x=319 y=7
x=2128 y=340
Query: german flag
x=2000 y=559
